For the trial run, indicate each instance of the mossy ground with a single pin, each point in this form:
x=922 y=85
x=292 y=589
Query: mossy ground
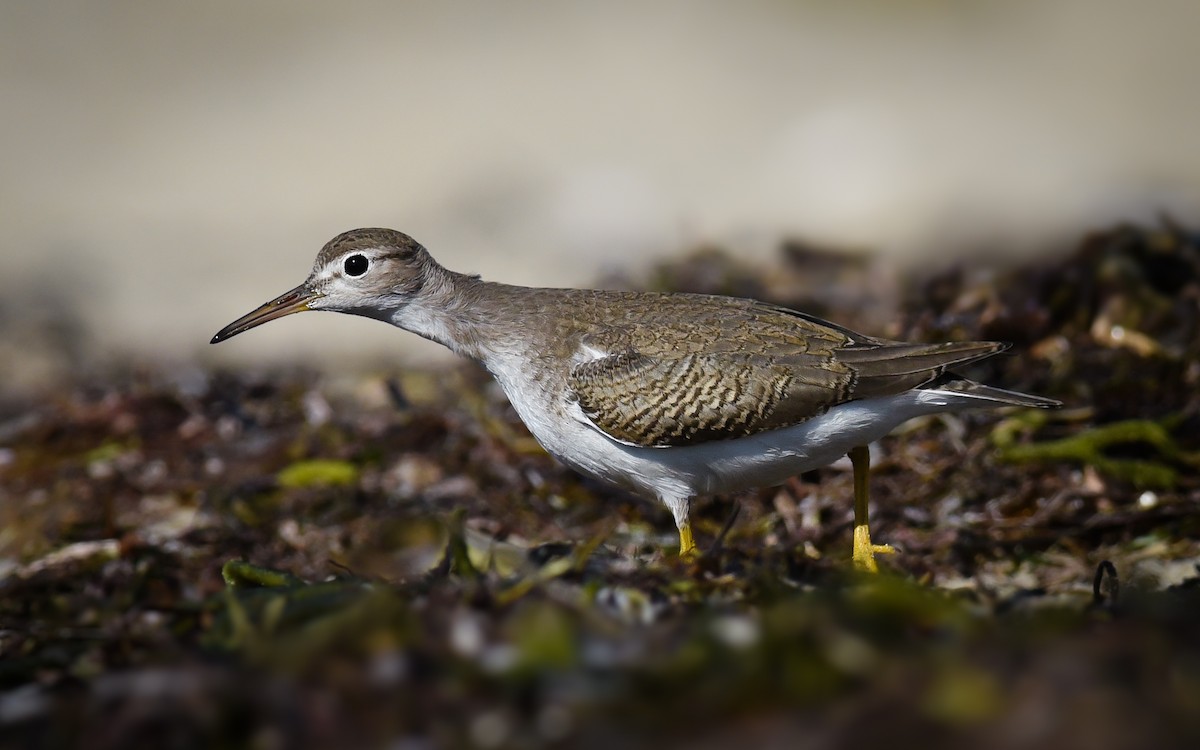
x=280 y=559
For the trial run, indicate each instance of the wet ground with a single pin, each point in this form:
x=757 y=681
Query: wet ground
x=285 y=559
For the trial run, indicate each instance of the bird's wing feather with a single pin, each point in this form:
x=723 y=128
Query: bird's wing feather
x=762 y=368
x=695 y=398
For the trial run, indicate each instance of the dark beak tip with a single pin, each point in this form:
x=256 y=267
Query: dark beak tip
x=293 y=301
x=224 y=334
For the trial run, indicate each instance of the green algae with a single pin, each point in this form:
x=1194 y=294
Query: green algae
x=318 y=472
x=1159 y=470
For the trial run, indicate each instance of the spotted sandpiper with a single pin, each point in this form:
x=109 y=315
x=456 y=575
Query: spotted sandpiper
x=669 y=395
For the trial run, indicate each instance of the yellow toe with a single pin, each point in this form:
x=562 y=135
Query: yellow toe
x=864 y=551
x=687 y=545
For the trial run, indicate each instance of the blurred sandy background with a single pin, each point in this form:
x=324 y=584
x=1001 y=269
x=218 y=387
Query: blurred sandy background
x=168 y=166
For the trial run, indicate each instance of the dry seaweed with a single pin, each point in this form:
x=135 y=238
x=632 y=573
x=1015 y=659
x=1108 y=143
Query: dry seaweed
x=193 y=558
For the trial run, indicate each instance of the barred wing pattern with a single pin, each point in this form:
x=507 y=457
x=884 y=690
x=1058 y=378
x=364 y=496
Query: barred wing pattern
x=655 y=387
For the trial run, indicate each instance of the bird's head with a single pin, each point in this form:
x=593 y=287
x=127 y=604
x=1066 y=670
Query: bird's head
x=371 y=272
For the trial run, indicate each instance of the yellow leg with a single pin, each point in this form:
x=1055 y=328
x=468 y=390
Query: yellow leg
x=687 y=545
x=864 y=550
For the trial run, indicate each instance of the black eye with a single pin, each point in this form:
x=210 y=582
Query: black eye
x=356 y=265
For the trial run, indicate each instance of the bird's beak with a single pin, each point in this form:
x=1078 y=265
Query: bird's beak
x=294 y=301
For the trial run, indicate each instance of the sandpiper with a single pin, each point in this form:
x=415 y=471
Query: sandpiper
x=669 y=395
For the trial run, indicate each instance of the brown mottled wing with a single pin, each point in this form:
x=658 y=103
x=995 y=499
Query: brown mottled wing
x=655 y=401
x=760 y=368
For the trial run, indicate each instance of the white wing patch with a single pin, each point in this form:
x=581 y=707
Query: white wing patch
x=588 y=353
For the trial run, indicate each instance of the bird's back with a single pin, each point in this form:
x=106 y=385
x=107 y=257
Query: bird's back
x=661 y=370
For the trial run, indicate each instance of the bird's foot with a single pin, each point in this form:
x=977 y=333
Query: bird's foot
x=865 y=551
x=687 y=545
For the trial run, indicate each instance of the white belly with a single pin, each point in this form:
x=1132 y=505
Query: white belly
x=759 y=460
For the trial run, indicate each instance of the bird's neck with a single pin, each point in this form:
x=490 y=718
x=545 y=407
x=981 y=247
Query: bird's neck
x=457 y=311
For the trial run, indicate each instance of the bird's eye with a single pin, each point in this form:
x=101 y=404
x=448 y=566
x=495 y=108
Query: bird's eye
x=356 y=265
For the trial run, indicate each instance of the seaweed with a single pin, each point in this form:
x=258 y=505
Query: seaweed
x=196 y=558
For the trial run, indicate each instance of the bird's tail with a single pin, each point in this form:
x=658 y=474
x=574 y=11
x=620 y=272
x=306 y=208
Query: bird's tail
x=992 y=395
